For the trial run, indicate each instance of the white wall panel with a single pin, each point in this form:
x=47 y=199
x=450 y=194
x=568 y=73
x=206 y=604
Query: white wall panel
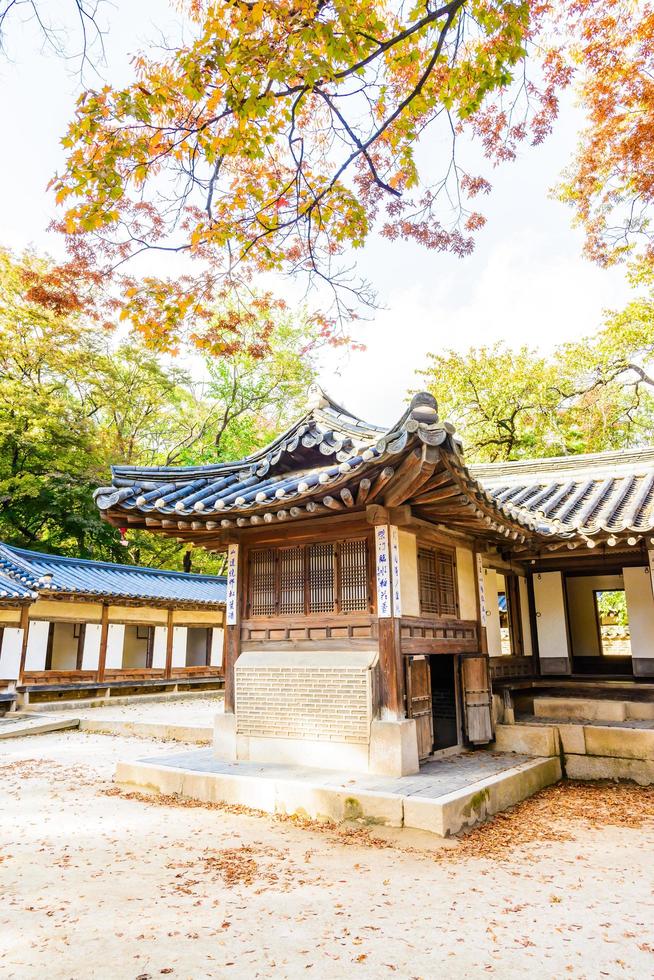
x=115 y=640
x=12 y=643
x=37 y=645
x=91 y=651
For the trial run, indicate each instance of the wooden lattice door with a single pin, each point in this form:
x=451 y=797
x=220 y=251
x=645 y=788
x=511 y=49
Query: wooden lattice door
x=476 y=699
x=419 y=705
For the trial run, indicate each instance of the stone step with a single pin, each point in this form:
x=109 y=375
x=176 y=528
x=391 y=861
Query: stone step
x=593 y=709
x=588 y=751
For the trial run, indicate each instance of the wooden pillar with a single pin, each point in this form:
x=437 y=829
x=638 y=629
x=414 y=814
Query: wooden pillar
x=391 y=668
x=169 y=644
x=104 y=633
x=25 y=626
x=481 y=608
x=391 y=665
x=232 y=645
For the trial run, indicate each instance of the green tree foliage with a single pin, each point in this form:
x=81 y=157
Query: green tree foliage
x=73 y=400
x=588 y=396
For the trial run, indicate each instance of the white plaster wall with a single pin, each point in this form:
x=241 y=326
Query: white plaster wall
x=217 y=644
x=584 y=638
x=134 y=650
x=525 y=615
x=409 y=593
x=196 y=646
x=115 y=637
x=37 y=645
x=159 y=648
x=179 y=646
x=467 y=583
x=640 y=607
x=64 y=647
x=91 y=650
x=493 y=635
x=12 y=642
x=550 y=615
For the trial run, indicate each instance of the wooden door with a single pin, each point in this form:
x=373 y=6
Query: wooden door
x=476 y=699
x=418 y=686
x=515 y=615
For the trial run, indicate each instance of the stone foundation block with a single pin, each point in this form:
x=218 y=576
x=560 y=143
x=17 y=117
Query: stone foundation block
x=224 y=737
x=393 y=748
x=602 y=767
x=466 y=807
x=135 y=776
x=620 y=743
x=572 y=738
x=640 y=710
x=526 y=739
x=582 y=709
x=329 y=803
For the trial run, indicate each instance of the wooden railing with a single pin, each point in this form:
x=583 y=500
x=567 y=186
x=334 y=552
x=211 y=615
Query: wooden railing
x=430 y=635
x=505 y=668
x=297 y=628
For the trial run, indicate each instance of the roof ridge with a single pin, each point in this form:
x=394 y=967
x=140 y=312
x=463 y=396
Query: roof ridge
x=575 y=461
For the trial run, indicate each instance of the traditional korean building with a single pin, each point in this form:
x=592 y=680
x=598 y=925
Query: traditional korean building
x=68 y=625
x=376 y=583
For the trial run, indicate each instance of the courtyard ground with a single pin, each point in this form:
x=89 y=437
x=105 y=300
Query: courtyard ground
x=177 y=711
x=103 y=884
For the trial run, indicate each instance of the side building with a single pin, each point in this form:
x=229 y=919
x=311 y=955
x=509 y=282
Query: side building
x=376 y=584
x=72 y=625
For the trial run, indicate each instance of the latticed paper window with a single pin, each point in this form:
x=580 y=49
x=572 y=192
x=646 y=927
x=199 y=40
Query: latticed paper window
x=446 y=584
x=300 y=580
x=354 y=576
x=291 y=581
x=437 y=582
x=321 y=577
x=262 y=582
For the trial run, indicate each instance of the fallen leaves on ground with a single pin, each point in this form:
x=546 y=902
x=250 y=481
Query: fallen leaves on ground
x=550 y=815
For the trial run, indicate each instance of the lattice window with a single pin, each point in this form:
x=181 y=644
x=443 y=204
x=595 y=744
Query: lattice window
x=354 y=576
x=437 y=582
x=262 y=582
x=300 y=580
x=446 y=584
x=320 y=558
x=291 y=581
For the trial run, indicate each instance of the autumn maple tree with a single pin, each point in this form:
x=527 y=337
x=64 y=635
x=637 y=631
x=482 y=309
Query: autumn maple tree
x=285 y=132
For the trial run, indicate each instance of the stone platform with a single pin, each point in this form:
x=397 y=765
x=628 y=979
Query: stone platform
x=588 y=750
x=446 y=796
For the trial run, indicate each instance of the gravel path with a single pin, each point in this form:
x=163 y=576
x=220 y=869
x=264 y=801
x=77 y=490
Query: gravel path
x=99 y=884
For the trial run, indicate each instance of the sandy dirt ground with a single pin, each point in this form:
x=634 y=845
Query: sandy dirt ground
x=101 y=884
x=195 y=711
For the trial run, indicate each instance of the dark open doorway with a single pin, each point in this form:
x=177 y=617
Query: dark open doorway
x=443 y=699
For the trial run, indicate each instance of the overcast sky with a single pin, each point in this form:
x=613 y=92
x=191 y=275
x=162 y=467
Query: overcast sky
x=527 y=281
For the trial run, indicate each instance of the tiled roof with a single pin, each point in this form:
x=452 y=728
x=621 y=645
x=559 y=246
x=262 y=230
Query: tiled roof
x=11 y=589
x=593 y=495
x=31 y=573
x=328 y=461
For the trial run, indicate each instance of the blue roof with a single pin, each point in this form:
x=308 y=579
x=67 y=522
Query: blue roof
x=30 y=573
x=11 y=589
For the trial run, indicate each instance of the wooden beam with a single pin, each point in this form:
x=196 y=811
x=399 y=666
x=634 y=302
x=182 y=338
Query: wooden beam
x=332 y=503
x=381 y=480
x=363 y=491
x=412 y=474
x=347 y=498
